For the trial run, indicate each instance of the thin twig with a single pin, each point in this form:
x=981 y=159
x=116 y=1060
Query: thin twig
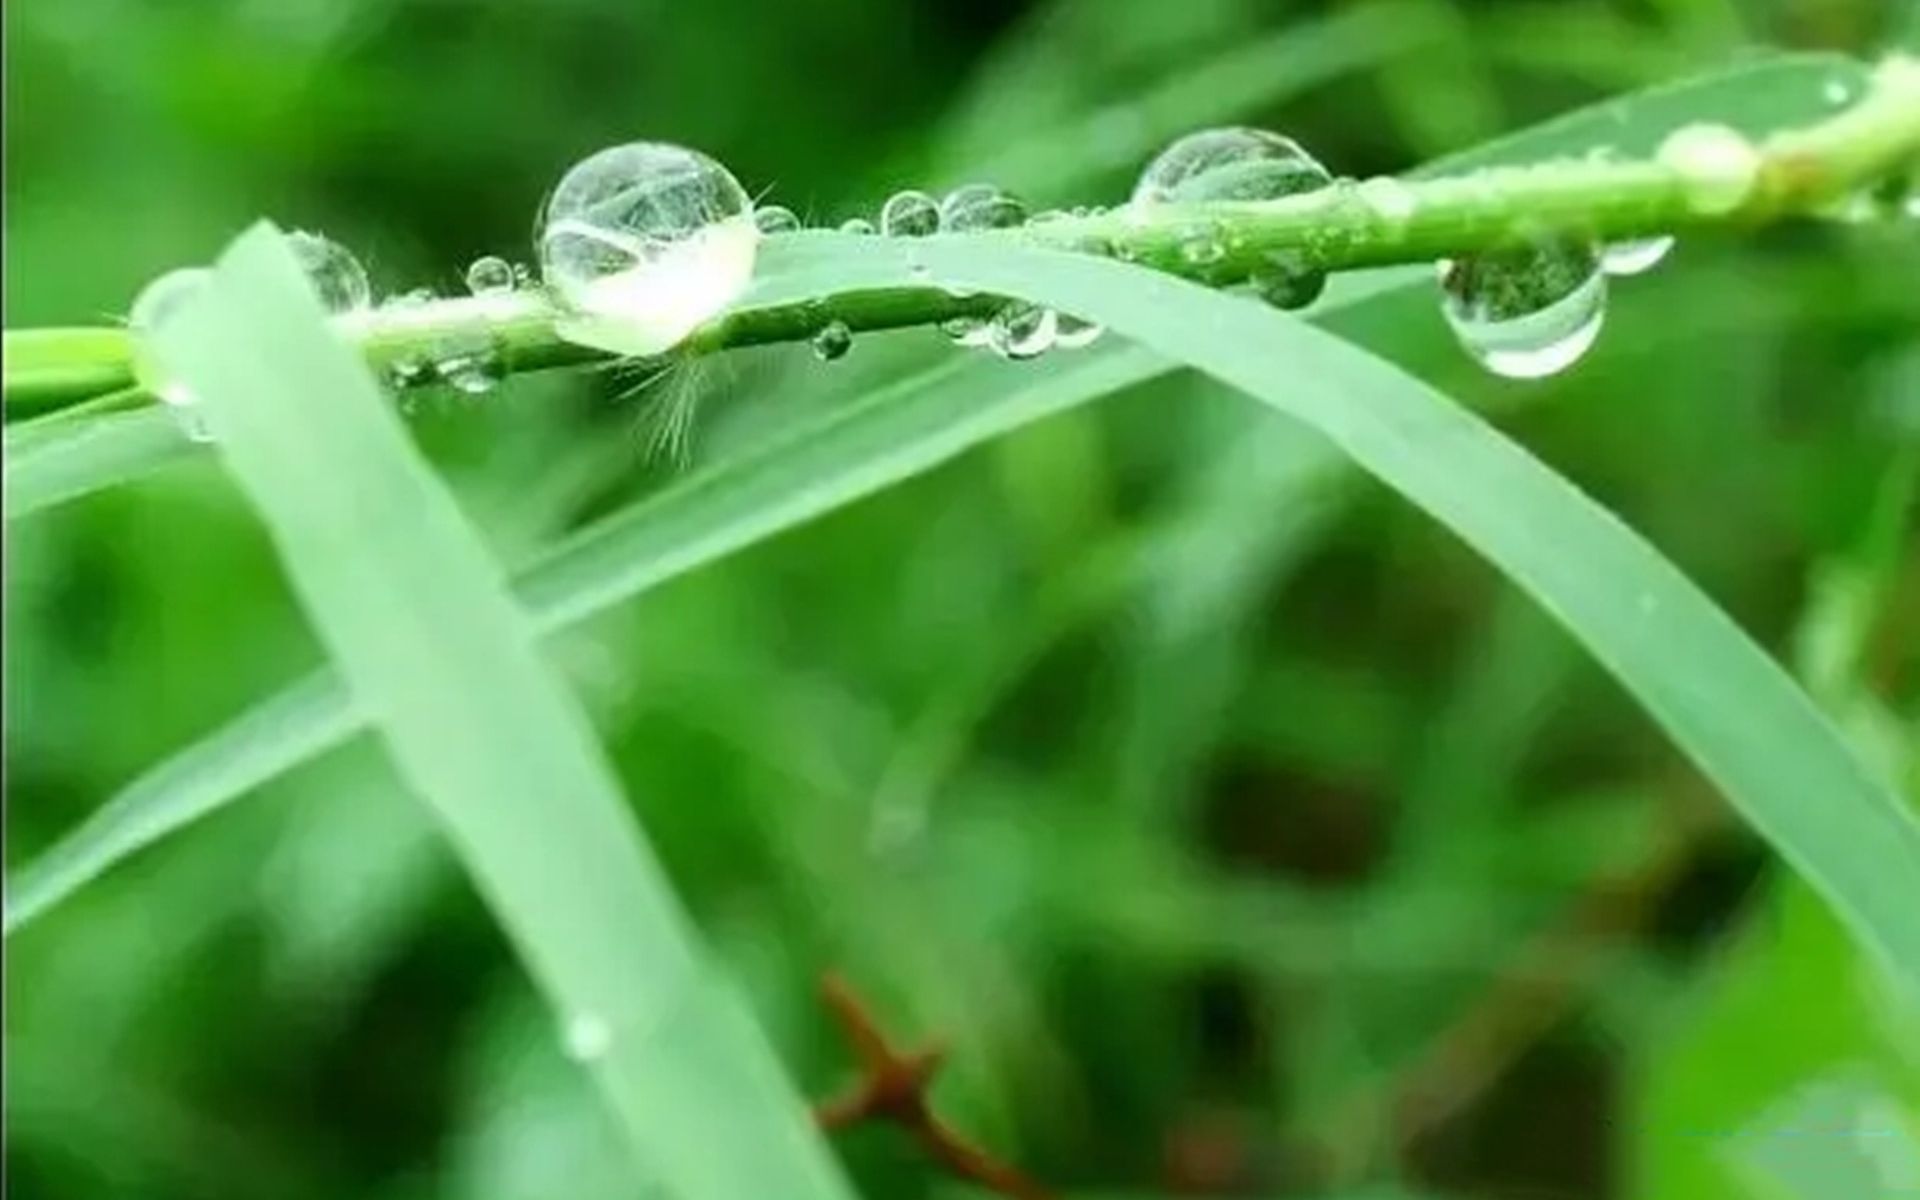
x=893 y=1087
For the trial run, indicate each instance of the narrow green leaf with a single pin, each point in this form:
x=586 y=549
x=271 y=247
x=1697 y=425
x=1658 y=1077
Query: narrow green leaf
x=42 y=363
x=52 y=461
x=420 y=620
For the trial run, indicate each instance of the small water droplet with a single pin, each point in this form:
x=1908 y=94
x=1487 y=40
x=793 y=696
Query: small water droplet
x=1021 y=330
x=412 y=298
x=1635 y=257
x=775 y=218
x=1528 y=312
x=974 y=207
x=587 y=1037
x=1072 y=333
x=490 y=275
x=1287 y=280
x=1717 y=166
x=1391 y=200
x=832 y=341
x=1232 y=163
x=1202 y=248
x=643 y=243
x=965 y=331
x=857 y=225
x=910 y=214
x=153 y=307
x=336 y=275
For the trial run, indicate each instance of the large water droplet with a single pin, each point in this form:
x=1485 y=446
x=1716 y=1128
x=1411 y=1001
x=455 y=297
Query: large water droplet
x=643 y=243
x=1528 y=312
x=980 y=206
x=1632 y=258
x=154 y=307
x=775 y=218
x=910 y=214
x=1286 y=280
x=1234 y=163
x=336 y=275
x=833 y=341
x=490 y=275
x=1718 y=167
x=1021 y=330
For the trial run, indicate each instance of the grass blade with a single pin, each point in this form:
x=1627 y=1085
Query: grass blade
x=418 y=616
x=886 y=437
x=50 y=462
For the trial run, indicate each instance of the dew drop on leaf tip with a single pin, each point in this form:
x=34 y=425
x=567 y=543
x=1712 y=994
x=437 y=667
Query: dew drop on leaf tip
x=1526 y=313
x=644 y=242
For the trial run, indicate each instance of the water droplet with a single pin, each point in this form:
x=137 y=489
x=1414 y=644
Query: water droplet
x=1072 y=333
x=1632 y=258
x=1202 y=249
x=1233 y=163
x=980 y=206
x=1390 y=199
x=490 y=275
x=154 y=307
x=587 y=1037
x=409 y=299
x=336 y=275
x=965 y=331
x=643 y=243
x=833 y=341
x=775 y=218
x=1717 y=166
x=1286 y=280
x=910 y=214
x=858 y=225
x=1528 y=312
x=1021 y=330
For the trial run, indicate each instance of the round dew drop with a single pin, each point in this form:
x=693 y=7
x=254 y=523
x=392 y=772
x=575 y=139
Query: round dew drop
x=1286 y=281
x=490 y=275
x=976 y=207
x=1718 y=167
x=776 y=218
x=336 y=275
x=1022 y=331
x=157 y=304
x=910 y=214
x=643 y=243
x=859 y=226
x=1526 y=313
x=832 y=342
x=1635 y=257
x=1233 y=163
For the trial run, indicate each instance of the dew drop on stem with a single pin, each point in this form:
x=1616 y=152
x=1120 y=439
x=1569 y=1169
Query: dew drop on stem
x=910 y=214
x=157 y=304
x=490 y=275
x=775 y=218
x=1528 y=312
x=644 y=242
x=337 y=276
x=833 y=341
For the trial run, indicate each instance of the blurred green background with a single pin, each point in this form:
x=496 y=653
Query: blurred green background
x=1240 y=831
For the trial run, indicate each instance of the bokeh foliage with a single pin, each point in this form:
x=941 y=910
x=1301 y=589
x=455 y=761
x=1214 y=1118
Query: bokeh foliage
x=1193 y=797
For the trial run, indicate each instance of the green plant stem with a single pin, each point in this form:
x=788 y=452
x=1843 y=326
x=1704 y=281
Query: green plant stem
x=1800 y=171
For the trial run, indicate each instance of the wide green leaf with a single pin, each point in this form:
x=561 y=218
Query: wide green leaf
x=419 y=618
